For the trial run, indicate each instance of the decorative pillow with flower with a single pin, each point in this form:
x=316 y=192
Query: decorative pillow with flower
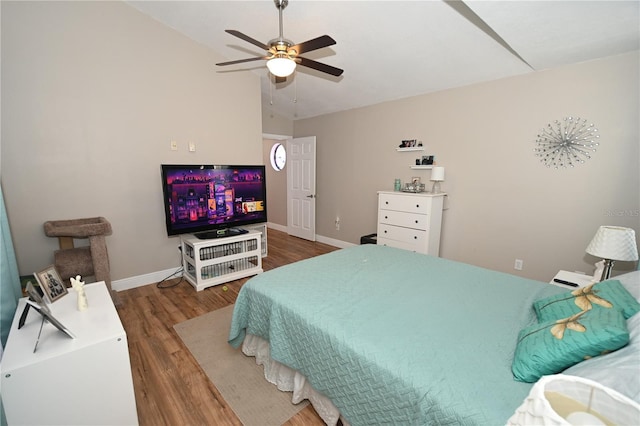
x=552 y=346
x=607 y=295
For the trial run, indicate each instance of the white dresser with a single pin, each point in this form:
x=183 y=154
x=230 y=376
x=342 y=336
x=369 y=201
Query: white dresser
x=82 y=381
x=410 y=221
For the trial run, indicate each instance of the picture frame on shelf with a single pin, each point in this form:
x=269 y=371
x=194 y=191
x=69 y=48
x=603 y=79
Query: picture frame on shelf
x=51 y=283
x=415 y=180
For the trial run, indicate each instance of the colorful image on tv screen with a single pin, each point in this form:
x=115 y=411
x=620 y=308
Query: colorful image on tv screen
x=201 y=197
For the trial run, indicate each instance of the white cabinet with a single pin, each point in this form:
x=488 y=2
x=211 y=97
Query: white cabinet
x=262 y=228
x=81 y=381
x=410 y=221
x=219 y=260
x=572 y=280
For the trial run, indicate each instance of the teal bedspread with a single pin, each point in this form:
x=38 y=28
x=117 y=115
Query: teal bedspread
x=395 y=337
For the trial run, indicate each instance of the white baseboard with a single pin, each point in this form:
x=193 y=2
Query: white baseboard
x=333 y=242
x=319 y=238
x=142 y=280
x=281 y=228
x=154 y=277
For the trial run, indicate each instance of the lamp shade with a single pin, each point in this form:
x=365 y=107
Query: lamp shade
x=437 y=173
x=571 y=400
x=281 y=67
x=615 y=243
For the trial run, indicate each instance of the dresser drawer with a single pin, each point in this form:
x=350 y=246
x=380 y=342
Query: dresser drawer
x=404 y=203
x=399 y=233
x=407 y=220
x=400 y=244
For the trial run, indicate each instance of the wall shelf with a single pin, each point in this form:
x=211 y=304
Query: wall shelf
x=413 y=148
x=429 y=167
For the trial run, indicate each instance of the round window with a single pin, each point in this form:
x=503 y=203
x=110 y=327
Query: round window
x=278 y=156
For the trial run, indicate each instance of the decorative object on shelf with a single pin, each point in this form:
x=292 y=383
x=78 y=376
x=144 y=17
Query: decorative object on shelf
x=437 y=176
x=566 y=143
x=613 y=243
x=50 y=283
x=397 y=185
x=78 y=286
x=427 y=160
x=410 y=143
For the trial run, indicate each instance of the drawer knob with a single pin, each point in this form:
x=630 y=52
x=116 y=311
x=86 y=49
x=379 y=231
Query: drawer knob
x=386 y=217
x=385 y=231
x=415 y=237
x=416 y=221
x=417 y=206
x=386 y=202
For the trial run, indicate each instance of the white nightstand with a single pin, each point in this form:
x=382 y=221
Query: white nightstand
x=82 y=381
x=571 y=277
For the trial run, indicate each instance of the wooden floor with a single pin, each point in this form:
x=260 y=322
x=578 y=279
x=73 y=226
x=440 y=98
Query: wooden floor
x=170 y=387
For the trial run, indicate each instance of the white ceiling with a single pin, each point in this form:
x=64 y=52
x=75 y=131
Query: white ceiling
x=396 y=49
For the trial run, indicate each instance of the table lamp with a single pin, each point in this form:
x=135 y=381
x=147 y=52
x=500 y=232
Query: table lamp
x=613 y=243
x=437 y=176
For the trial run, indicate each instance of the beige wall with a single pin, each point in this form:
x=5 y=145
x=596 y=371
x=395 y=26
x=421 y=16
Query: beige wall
x=274 y=125
x=92 y=94
x=276 y=187
x=503 y=203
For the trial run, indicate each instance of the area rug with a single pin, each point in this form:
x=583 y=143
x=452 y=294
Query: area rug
x=239 y=379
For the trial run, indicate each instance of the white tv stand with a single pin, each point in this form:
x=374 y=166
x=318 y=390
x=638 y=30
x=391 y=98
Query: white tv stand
x=219 y=260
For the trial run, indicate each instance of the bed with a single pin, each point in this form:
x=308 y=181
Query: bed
x=377 y=335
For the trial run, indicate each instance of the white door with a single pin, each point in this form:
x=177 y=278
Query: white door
x=301 y=187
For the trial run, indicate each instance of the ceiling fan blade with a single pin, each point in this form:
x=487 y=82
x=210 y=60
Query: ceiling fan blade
x=319 y=66
x=314 y=44
x=248 y=39
x=239 y=61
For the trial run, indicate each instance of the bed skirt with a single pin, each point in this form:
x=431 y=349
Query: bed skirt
x=289 y=380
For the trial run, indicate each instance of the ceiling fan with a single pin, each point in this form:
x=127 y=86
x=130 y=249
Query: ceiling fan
x=283 y=56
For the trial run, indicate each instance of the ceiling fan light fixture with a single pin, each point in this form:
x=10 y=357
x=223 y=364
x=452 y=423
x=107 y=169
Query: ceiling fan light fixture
x=281 y=66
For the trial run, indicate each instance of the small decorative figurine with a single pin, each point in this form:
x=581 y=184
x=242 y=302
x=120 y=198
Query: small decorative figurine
x=597 y=275
x=78 y=286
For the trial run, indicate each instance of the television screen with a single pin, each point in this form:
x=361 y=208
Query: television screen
x=213 y=200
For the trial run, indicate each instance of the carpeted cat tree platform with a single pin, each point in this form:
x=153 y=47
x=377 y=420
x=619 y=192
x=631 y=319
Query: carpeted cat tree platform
x=92 y=260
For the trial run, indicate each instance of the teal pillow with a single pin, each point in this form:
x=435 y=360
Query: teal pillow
x=553 y=346
x=609 y=294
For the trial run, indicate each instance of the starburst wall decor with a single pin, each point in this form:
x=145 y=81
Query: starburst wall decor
x=566 y=143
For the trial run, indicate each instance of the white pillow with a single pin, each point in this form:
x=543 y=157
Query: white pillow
x=617 y=370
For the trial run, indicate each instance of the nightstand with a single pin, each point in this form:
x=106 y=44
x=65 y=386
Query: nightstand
x=572 y=277
x=81 y=381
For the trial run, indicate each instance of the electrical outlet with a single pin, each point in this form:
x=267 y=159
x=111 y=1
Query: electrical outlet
x=337 y=223
x=192 y=147
x=518 y=265
x=174 y=145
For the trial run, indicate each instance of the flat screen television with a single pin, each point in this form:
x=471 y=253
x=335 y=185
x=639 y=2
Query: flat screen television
x=212 y=201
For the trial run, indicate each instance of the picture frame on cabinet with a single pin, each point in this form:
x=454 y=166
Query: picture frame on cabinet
x=415 y=180
x=51 y=283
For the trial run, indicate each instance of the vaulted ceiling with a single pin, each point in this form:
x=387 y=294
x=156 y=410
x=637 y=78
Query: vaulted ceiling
x=396 y=49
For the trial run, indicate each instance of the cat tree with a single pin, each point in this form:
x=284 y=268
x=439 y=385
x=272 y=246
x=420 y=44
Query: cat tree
x=91 y=260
